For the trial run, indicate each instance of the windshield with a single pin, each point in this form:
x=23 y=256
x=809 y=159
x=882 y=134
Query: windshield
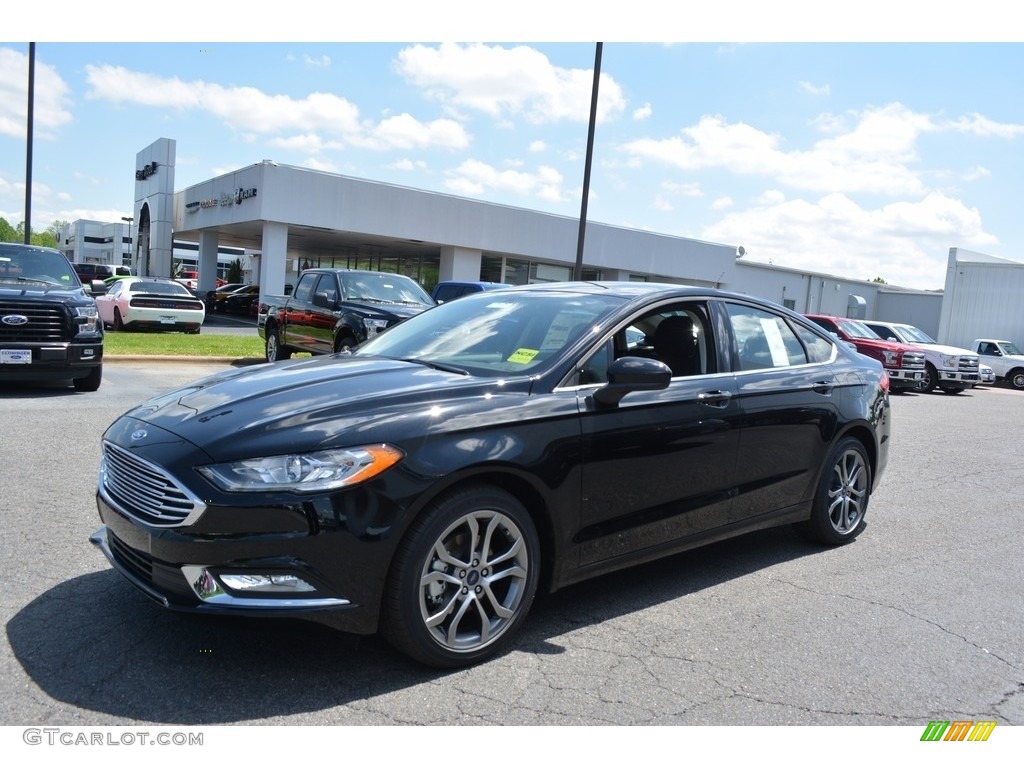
x=494 y=333
x=150 y=286
x=34 y=265
x=916 y=335
x=1009 y=348
x=857 y=329
x=383 y=289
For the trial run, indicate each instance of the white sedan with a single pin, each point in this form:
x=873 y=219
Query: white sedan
x=154 y=303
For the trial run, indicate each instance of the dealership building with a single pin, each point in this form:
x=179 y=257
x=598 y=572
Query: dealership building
x=279 y=219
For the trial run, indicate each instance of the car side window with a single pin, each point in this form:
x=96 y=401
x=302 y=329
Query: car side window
x=677 y=335
x=764 y=340
x=304 y=290
x=328 y=286
x=818 y=349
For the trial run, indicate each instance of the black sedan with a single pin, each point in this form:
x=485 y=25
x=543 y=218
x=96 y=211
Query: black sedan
x=430 y=483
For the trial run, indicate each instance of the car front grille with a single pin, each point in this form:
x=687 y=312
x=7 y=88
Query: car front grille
x=44 y=323
x=913 y=360
x=144 y=491
x=968 y=363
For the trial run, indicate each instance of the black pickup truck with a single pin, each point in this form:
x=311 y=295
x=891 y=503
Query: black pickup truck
x=334 y=309
x=49 y=328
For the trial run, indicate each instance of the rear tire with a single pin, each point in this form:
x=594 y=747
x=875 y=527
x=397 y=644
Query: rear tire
x=275 y=351
x=1015 y=378
x=837 y=513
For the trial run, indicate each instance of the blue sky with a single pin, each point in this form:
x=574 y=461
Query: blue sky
x=858 y=159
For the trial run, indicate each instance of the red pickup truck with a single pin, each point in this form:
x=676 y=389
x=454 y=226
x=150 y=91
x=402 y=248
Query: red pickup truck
x=904 y=364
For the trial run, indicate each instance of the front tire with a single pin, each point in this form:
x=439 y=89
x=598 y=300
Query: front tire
x=463 y=579
x=91 y=381
x=1015 y=378
x=118 y=322
x=837 y=514
x=344 y=342
x=931 y=378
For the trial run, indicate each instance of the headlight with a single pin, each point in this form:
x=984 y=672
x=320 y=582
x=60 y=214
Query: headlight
x=373 y=326
x=87 y=319
x=304 y=472
x=949 y=361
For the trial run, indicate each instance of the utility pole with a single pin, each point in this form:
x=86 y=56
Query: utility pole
x=578 y=271
x=28 y=144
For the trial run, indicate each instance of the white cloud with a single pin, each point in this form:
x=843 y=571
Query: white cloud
x=662 y=203
x=687 y=189
x=51 y=96
x=722 y=203
x=475 y=178
x=906 y=243
x=503 y=82
x=250 y=110
x=815 y=90
x=644 y=112
x=321 y=62
x=872 y=157
x=405 y=164
x=982 y=126
x=538 y=146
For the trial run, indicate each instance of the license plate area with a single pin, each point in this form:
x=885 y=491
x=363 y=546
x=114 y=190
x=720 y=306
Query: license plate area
x=15 y=356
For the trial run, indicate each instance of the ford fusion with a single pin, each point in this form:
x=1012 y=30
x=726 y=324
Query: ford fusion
x=429 y=484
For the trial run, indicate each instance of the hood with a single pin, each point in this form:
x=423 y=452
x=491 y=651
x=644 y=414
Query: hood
x=305 y=403
x=40 y=292
x=401 y=311
x=944 y=349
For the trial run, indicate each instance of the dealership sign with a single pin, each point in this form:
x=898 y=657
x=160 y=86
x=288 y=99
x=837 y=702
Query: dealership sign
x=226 y=198
x=147 y=170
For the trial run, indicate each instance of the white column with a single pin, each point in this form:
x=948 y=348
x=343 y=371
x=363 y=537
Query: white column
x=459 y=263
x=273 y=260
x=207 y=261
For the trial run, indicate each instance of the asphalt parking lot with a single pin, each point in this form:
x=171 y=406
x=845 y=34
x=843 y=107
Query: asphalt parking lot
x=918 y=620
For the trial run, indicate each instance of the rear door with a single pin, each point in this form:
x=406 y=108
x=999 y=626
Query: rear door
x=790 y=401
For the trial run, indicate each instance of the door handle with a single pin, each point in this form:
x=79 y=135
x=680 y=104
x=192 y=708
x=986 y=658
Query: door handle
x=718 y=398
x=823 y=387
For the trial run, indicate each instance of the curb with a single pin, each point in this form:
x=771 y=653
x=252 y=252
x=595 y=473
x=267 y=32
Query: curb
x=182 y=359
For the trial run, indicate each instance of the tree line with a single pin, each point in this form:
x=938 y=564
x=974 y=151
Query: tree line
x=48 y=237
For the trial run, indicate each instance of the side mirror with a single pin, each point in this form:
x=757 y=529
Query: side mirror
x=632 y=374
x=95 y=287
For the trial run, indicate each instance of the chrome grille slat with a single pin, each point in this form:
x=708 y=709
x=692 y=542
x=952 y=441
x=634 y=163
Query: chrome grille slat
x=144 y=491
x=44 y=323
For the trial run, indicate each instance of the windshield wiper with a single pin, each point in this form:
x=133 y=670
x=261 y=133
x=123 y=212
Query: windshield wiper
x=37 y=280
x=435 y=365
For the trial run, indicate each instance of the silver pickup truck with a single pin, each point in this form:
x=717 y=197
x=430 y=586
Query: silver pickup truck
x=1004 y=358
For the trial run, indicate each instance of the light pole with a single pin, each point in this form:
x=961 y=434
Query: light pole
x=131 y=240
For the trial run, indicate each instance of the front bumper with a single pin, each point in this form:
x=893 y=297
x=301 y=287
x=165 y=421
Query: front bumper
x=959 y=378
x=54 y=360
x=905 y=378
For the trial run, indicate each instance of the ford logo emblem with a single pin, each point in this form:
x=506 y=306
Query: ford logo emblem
x=14 y=320
x=138 y=434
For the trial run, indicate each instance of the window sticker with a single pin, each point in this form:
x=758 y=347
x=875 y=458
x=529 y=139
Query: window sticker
x=780 y=357
x=522 y=356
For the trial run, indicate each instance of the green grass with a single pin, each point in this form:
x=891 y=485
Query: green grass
x=203 y=345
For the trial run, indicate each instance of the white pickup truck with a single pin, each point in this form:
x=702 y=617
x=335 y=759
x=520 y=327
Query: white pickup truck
x=951 y=369
x=1004 y=358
